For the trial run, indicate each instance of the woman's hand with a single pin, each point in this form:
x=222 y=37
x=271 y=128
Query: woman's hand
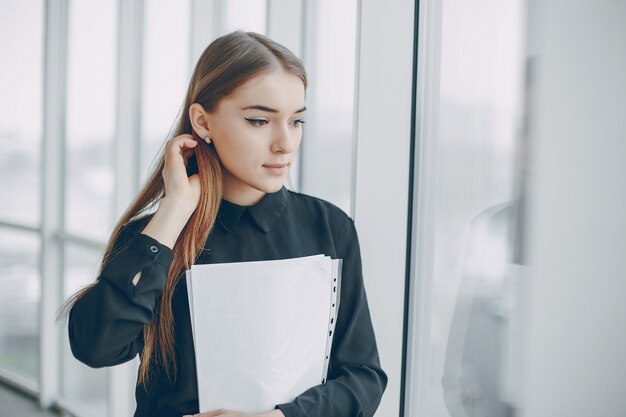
x=222 y=413
x=182 y=193
x=230 y=413
x=180 y=189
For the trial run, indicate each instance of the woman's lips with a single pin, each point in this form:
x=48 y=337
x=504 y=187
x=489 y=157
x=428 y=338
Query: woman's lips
x=276 y=169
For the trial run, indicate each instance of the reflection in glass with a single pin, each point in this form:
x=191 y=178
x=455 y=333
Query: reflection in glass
x=477 y=210
x=21 y=110
x=20 y=294
x=91 y=76
x=81 y=384
x=478 y=373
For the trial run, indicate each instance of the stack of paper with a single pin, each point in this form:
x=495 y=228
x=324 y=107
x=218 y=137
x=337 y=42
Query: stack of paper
x=262 y=330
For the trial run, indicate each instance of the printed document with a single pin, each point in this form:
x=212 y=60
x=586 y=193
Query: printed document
x=262 y=330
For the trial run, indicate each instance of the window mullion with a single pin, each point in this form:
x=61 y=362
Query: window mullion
x=52 y=199
x=126 y=164
x=285 y=23
x=205 y=23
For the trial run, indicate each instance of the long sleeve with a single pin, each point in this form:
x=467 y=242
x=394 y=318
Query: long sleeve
x=106 y=325
x=356 y=381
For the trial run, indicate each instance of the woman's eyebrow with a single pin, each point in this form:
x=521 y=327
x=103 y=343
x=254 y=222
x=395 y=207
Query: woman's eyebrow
x=268 y=109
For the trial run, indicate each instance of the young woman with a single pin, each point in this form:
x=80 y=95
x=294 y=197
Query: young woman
x=238 y=134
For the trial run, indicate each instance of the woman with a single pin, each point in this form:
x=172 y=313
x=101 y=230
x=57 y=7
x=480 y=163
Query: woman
x=239 y=132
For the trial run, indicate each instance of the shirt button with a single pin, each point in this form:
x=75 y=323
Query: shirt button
x=154 y=249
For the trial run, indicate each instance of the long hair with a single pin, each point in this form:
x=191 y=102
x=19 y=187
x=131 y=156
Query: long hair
x=228 y=62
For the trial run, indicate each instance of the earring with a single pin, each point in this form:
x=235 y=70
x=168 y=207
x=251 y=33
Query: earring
x=207 y=139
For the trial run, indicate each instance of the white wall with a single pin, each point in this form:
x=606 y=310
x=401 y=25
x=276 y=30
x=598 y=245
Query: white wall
x=385 y=60
x=575 y=338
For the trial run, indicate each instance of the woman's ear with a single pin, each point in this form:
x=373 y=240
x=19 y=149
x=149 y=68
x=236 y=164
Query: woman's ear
x=199 y=120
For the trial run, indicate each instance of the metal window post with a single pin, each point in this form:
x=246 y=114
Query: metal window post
x=52 y=201
x=285 y=22
x=126 y=164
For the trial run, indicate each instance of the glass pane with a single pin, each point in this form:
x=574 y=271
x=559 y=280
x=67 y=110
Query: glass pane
x=477 y=208
x=20 y=293
x=91 y=79
x=247 y=15
x=327 y=139
x=21 y=110
x=81 y=384
x=166 y=74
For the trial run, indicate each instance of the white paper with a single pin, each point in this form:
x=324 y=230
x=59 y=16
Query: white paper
x=262 y=330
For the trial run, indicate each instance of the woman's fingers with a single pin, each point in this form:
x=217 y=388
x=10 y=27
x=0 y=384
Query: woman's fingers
x=221 y=412
x=177 y=146
x=173 y=150
x=177 y=185
x=175 y=160
x=187 y=153
x=209 y=414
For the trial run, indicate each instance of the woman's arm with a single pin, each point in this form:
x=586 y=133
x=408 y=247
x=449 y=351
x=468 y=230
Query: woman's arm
x=168 y=221
x=356 y=381
x=106 y=324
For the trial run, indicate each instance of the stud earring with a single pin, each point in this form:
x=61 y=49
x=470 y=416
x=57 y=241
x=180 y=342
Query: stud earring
x=207 y=139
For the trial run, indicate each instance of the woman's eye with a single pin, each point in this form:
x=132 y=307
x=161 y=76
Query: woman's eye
x=298 y=122
x=256 y=122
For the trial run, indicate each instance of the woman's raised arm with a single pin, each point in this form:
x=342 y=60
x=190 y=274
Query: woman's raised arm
x=106 y=324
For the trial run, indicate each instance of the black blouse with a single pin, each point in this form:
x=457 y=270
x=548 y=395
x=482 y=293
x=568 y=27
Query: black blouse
x=106 y=324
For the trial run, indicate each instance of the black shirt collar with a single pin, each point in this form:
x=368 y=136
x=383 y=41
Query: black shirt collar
x=265 y=213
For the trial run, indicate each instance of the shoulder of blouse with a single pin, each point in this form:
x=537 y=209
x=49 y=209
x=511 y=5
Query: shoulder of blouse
x=341 y=223
x=330 y=208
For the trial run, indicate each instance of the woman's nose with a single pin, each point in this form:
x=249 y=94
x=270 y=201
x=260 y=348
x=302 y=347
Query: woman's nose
x=283 y=140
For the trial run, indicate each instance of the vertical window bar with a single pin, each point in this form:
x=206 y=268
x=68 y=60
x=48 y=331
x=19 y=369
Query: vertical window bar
x=205 y=26
x=52 y=199
x=307 y=55
x=417 y=359
x=381 y=200
x=355 y=120
x=128 y=120
x=285 y=25
x=418 y=267
x=126 y=150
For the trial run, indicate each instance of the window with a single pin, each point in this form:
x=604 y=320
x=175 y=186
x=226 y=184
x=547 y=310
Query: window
x=91 y=96
x=166 y=74
x=469 y=222
x=21 y=119
x=20 y=293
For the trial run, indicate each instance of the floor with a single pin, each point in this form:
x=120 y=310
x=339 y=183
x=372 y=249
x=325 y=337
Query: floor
x=16 y=404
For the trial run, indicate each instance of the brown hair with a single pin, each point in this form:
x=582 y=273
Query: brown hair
x=228 y=62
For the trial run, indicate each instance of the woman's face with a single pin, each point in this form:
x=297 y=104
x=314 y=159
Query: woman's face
x=256 y=131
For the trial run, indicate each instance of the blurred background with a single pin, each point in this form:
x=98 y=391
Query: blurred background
x=480 y=147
